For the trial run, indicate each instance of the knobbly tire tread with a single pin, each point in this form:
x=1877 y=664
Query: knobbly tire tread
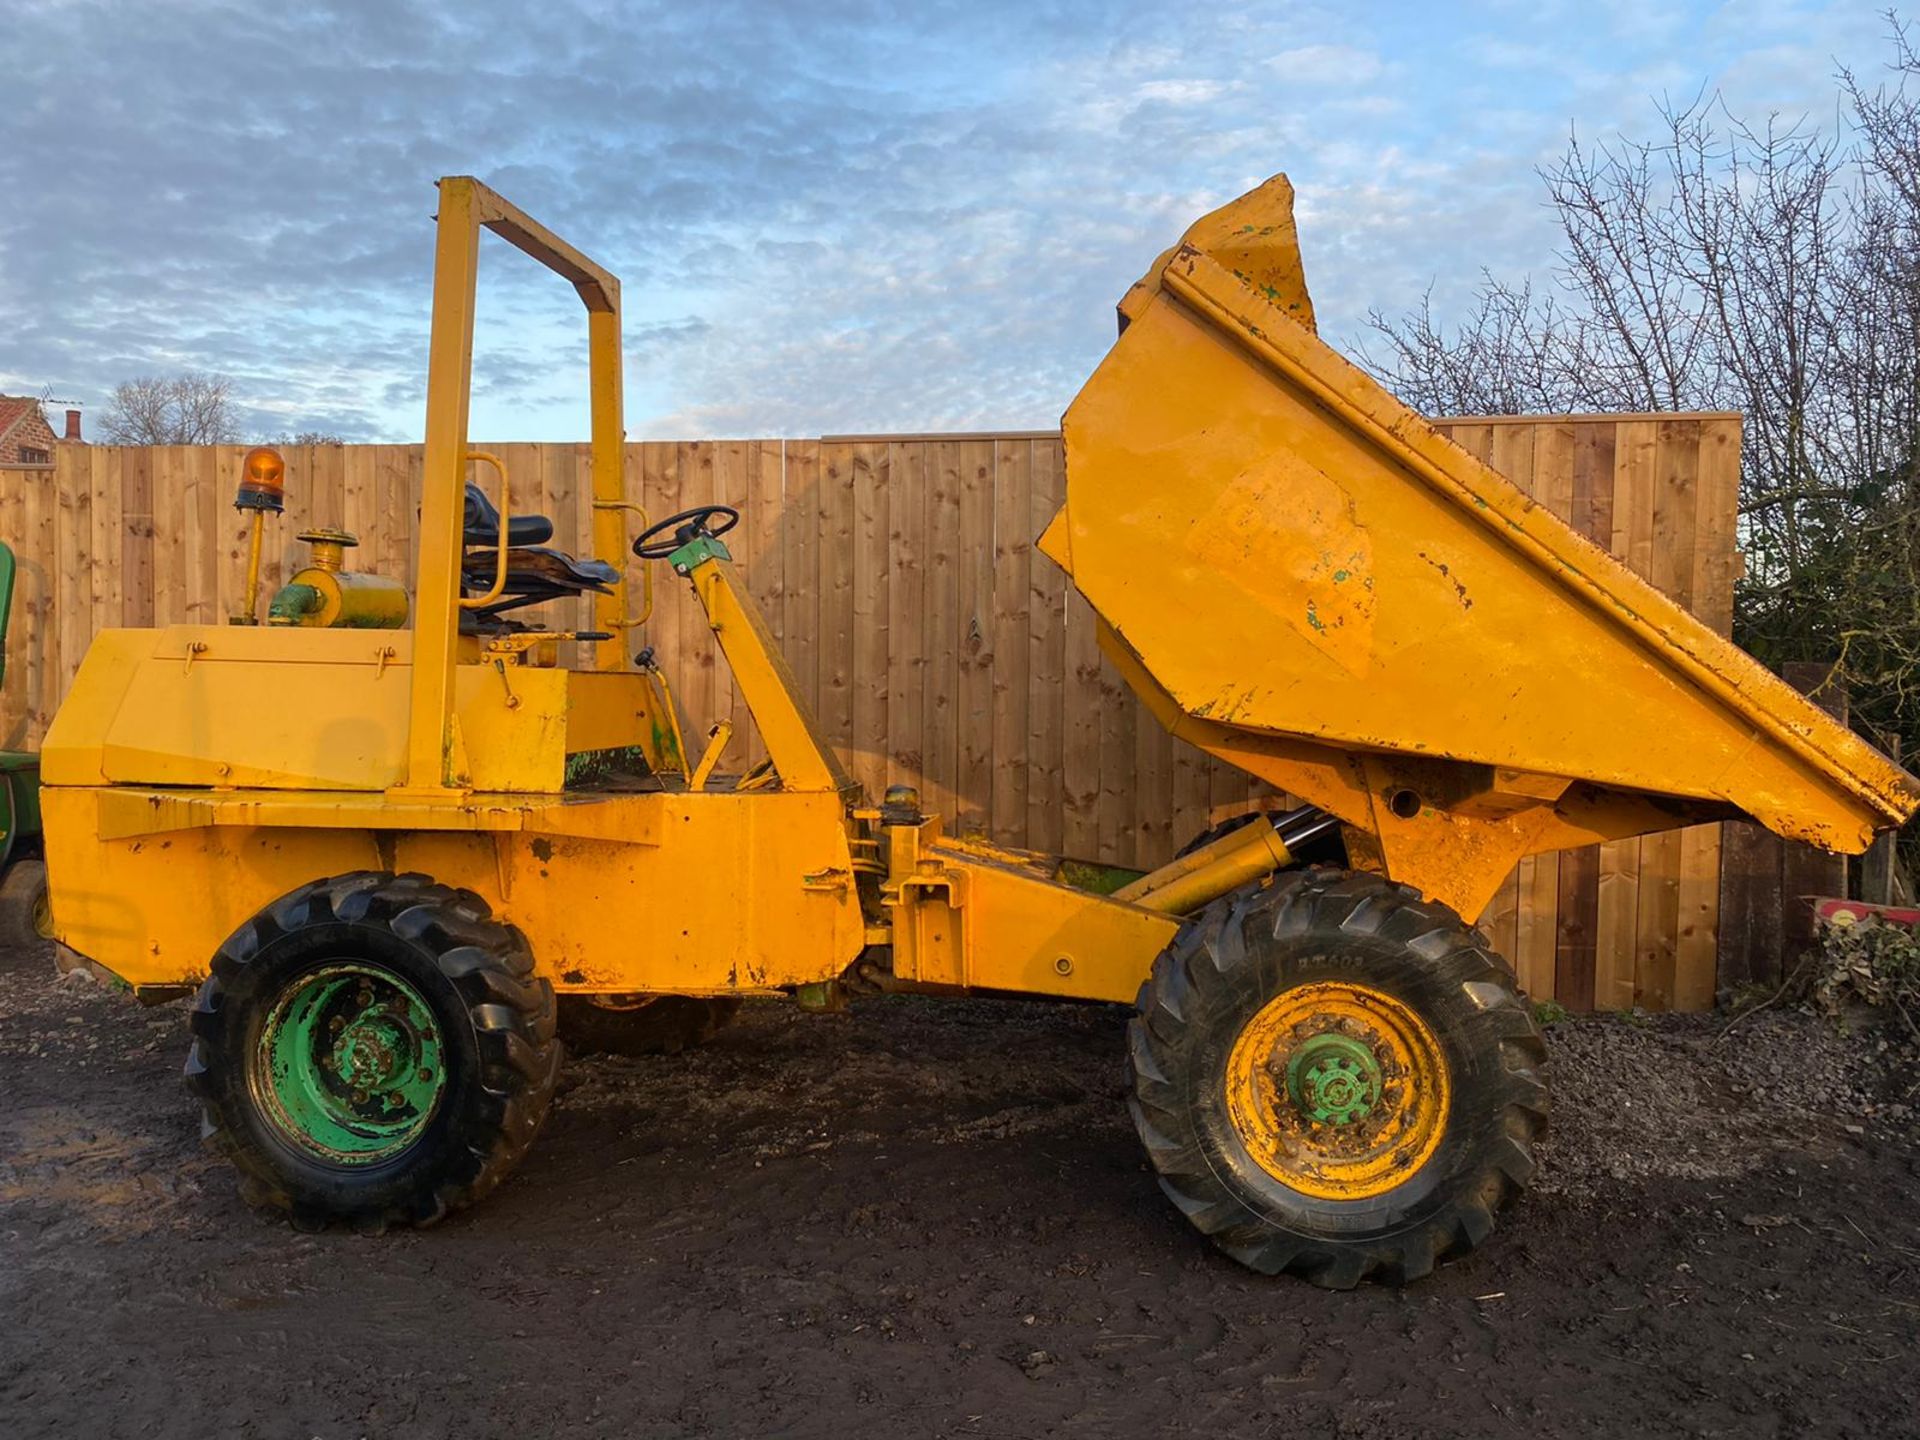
x=495 y=1013
x=1239 y=952
x=665 y=1026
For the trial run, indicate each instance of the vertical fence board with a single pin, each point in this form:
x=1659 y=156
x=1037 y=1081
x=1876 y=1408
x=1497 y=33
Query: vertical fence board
x=800 y=542
x=73 y=541
x=836 y=560
x=1715 y=567
x=907 y=495
x=940 y=729
x=1670 y=567
x=106 y=557
x=1616 y=960
x=17 y=530
x=834 y=580
x=1119 y=783
x=1531 y=891
x=732 y=482
x=33 y=637
x=973 y=640
x=136 y=577
x=1047 y=658
x=169 y=473
x=867 y=467
x=1012 y=667
x=700 y=484
x=1080 y=744
x=759 y=554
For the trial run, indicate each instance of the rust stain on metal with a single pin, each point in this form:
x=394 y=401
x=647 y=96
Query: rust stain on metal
x=1446 y=573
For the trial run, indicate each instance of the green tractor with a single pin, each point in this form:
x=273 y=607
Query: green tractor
x=24 y=914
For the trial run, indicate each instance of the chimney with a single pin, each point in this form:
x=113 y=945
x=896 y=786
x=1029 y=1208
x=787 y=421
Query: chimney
x=73 y=425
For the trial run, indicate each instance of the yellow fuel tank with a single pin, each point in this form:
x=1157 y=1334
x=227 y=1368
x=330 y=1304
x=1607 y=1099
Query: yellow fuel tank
x=326 y=595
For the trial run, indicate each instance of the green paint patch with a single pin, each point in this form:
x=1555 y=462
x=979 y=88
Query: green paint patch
x=1096 y=879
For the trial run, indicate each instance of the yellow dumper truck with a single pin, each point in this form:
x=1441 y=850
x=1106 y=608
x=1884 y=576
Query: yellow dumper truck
x=349 y=825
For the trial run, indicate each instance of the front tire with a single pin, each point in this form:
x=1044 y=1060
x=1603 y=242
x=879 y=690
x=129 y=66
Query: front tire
x=373 y=1048
x=1336 y=1079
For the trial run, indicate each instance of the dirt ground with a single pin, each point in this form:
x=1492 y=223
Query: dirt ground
x=926 y=1219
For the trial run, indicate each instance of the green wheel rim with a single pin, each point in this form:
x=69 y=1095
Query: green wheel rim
x=350 y=1065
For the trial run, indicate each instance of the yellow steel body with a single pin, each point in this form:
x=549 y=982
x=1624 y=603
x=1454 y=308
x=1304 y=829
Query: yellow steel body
x=298 y=709
x=690 y=893
x=178 y=804
x=967 y=914
x=1394 y=631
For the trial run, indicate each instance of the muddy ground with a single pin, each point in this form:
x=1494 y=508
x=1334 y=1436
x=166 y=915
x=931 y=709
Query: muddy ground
x=927 y=1219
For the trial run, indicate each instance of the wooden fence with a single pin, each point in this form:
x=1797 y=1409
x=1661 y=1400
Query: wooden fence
x=936 y=645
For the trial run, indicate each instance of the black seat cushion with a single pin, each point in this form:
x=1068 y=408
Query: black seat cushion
x=534 y=574
x=482 y=525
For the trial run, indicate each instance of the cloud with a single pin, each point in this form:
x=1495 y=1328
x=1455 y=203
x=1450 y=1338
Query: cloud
x=847 y=215
x=1327 y=65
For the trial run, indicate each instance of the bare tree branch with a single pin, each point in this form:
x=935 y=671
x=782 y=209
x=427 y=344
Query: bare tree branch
x=192 y=408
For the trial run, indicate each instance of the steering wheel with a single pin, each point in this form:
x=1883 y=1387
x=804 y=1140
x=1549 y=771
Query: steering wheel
x=686 y=526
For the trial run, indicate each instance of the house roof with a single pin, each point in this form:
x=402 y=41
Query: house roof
x=14 y=409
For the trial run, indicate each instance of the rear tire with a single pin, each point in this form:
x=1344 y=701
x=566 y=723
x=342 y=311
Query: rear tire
x=1336 y=1079
x=373 y=1048
x=654 y=1025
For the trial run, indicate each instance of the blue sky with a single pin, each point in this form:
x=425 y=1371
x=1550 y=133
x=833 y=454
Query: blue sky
x=851 y=215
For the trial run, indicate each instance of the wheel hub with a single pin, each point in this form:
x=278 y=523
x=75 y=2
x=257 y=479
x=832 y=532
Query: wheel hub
x=1333 y=1079
x=371 y=1053
x=350 y=1064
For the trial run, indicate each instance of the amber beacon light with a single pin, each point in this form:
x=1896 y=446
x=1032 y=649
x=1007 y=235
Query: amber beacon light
x=263 y=488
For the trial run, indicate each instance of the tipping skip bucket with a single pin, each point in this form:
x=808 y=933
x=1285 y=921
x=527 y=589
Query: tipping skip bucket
x=1299 y=574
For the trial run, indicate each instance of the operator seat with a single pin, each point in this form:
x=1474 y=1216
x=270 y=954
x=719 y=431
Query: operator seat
x=535 y=572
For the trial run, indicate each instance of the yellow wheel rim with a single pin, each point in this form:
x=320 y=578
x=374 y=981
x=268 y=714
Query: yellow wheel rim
x=1338 y=1091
